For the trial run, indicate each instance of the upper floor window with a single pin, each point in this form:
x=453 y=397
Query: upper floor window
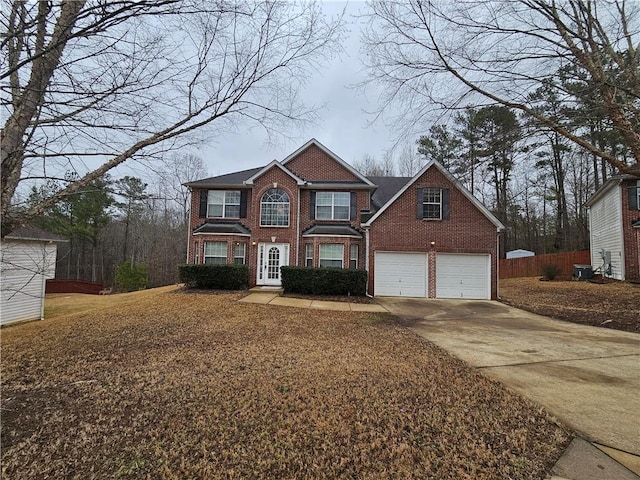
x=274 y=208
x=333 y=205
x=223 y=204
x=432 y=203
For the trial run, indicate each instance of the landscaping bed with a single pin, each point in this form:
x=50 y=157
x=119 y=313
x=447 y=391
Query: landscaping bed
x=612 y=304
x=176 y=385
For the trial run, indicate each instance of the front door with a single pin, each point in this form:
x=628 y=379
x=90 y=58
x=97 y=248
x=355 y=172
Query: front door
x=271 y=256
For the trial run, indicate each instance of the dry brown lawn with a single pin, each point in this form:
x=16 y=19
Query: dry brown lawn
x=612 y=305
x=171 y=385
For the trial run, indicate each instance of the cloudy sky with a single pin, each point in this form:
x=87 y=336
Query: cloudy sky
x=344 y=125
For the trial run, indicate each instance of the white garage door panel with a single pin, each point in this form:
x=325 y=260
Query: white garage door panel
x=462 y=276
x=400 y=274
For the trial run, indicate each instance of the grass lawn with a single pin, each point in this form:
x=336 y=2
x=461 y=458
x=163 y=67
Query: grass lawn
x=171 y=385
x=612 y=305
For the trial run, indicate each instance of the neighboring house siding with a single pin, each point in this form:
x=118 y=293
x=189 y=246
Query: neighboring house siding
x=605 y=222
x=25 y=267
x=467 y=231
x=313 y=164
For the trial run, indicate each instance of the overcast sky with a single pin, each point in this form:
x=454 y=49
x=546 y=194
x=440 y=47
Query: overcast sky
x=343 y=124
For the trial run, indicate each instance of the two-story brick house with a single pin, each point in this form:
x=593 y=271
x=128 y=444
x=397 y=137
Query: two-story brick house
x=424 y=236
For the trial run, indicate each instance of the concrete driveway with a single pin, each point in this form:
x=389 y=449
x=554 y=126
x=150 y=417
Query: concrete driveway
x=588 y=377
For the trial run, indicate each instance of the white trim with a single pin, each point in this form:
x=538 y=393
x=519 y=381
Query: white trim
x=623 y=252
x=325 y=235
x=232 y=234
x=433 y=163
x=268 y=167
x=335 y=157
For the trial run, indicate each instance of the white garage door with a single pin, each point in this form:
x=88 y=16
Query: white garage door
x=400 y=274
x=463 y=276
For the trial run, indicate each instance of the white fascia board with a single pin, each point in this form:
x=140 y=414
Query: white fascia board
x=225 y=234
x=433 y=163
x=315 y=142
x=268 y=167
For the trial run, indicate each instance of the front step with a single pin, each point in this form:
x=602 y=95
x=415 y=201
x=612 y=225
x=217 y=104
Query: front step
x=263 y=289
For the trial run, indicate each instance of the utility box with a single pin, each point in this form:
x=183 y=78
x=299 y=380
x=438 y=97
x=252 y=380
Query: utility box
x=582 y=272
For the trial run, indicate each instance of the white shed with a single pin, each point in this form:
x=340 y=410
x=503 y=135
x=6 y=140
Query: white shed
x=28 y=259
x=520 y=253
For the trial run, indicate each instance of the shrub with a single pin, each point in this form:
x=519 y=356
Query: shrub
x=130 y=278
x=324 y=281
x=223 y=277
x=550 y=271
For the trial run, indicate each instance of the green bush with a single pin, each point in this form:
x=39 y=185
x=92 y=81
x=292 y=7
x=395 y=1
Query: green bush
x=324 y=281
x=550 y=271
x=130 y=278
x=223 y=277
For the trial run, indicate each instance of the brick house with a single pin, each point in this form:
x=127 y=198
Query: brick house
x=425 y=236
x=614 y=228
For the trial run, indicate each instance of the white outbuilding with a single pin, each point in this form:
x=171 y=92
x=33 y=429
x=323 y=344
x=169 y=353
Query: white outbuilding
x=28 y=260
x=520 y=253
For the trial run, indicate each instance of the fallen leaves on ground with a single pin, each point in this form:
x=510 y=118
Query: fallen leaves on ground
x=612 y=305
x=182 y=385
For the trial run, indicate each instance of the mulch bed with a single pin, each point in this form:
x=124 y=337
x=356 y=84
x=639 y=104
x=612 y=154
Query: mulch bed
x=609 y=304
x=195 y=385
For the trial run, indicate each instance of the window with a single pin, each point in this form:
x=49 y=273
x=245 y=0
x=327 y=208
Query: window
x=333 y=205
x=223 y=204
x=432 y=203
x=331 y=255
x=274 y=208
x=215 y=252
x=196 y=252
x=353 y=257
x=239 y=253
x=308 y=249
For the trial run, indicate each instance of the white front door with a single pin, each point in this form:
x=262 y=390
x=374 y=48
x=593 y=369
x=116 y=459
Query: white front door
x=271 y=256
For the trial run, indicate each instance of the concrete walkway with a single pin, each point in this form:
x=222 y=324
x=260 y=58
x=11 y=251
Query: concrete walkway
x=588 y=377
x=274 y=298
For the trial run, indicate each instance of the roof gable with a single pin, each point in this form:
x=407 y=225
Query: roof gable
x=33 y=233
x=315 y=143
x=615 y=181
x=435 y=164
x=273 y=164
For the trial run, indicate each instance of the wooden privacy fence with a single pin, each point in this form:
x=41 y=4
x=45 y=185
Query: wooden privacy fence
x=532 y=266
x=72 y=286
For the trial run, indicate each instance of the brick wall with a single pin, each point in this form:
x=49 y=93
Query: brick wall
x=631 y=236
x=313 y=164
x=467 y=231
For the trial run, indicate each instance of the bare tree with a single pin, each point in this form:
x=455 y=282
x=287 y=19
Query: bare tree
x=370 y=167
x=435 y=55
x=113 y=80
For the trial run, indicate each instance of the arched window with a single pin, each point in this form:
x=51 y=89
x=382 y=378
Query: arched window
x=274 y=208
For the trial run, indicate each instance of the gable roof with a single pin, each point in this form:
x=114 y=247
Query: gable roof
x=32 y=233
x=235 y=179
x=333 y=156
x=608 y=185
x=433 y=163
x=266 y=168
